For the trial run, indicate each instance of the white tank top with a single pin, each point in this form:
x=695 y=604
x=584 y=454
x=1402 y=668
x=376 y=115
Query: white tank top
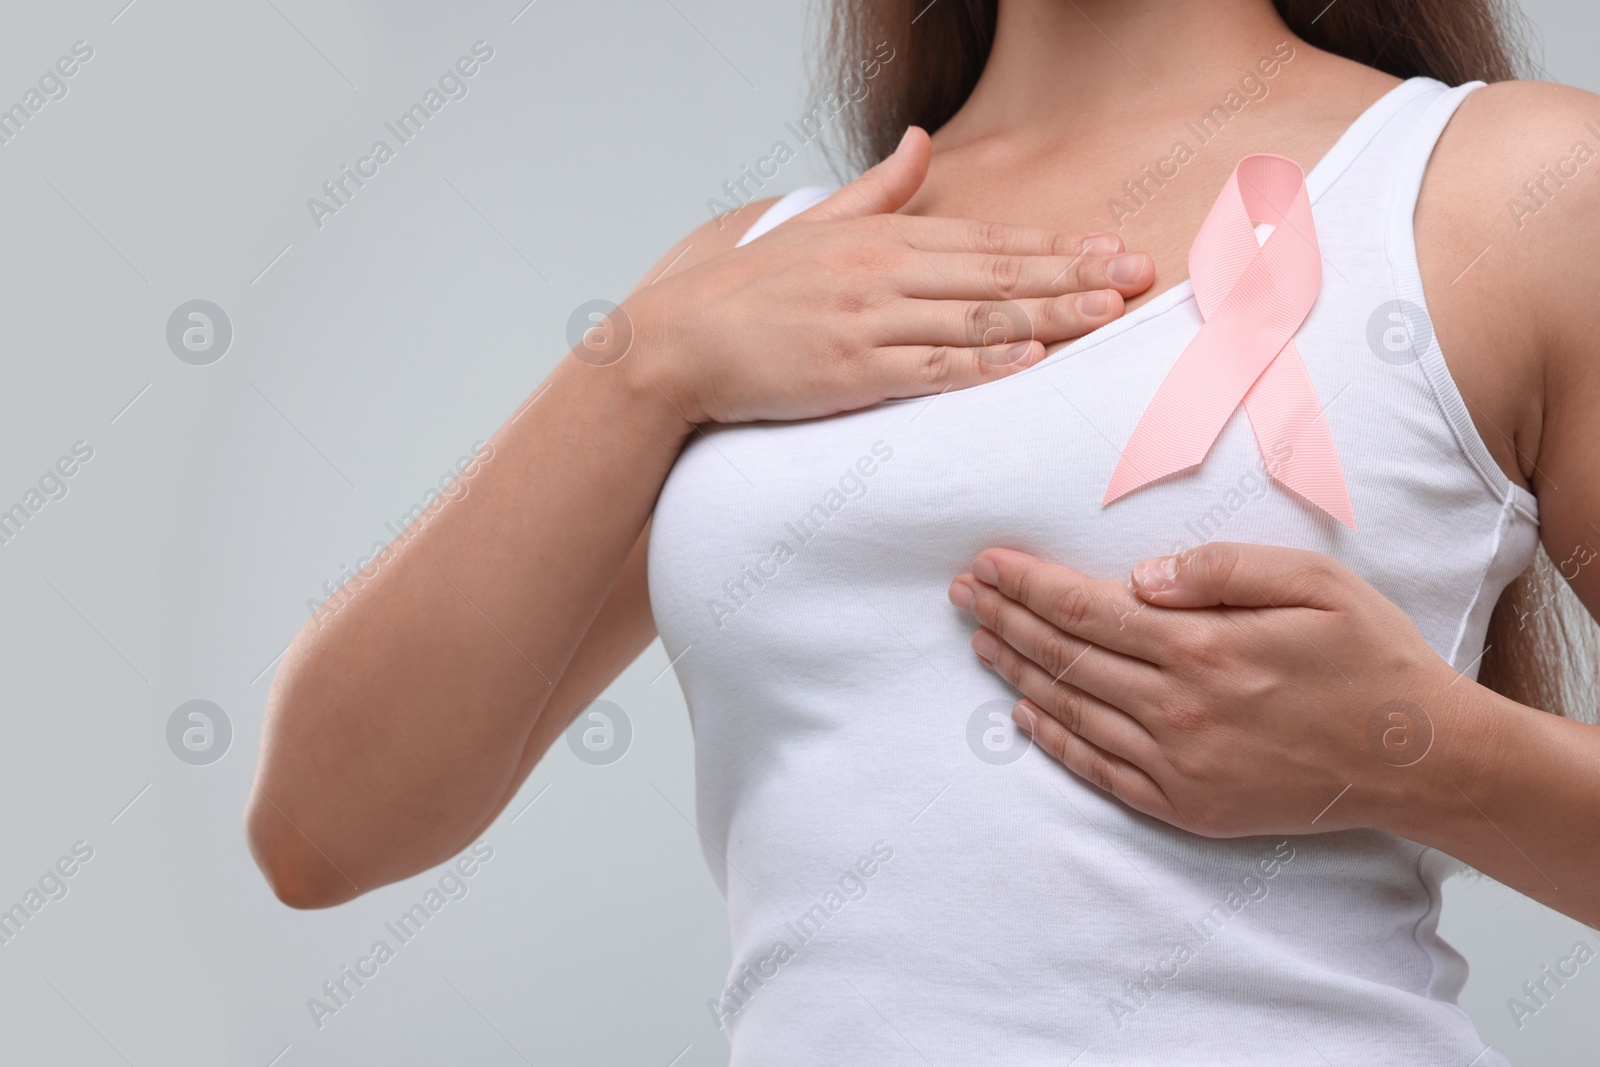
x=908 y=881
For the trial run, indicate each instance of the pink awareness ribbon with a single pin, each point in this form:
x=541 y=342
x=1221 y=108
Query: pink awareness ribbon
x=1253 y=297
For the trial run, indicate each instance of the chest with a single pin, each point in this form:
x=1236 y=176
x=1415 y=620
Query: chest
x=803 y=546
x=1156 y=205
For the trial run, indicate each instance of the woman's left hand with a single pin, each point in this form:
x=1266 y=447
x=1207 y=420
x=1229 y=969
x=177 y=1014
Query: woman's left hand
x=1233 y=689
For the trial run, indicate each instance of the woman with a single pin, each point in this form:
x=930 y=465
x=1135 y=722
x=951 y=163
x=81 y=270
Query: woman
x=825 y=452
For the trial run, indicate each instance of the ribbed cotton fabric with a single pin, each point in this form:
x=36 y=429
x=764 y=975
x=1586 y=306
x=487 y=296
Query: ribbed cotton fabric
x=907 y=881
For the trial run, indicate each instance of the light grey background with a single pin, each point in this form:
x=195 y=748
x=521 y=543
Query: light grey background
x=367 y=356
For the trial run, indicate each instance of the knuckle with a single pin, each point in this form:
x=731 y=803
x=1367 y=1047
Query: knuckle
x=873 y=259
x=1186 y=717
x=841 y=352
x=836 y=251
x=1057 y=654
x=1187 y=770
x=1257 y=688
x=1199 y=648
x=978 y=318
x=989 y=237
x=1087 y=272
x=1321 y=572
x=987 y=608
x=1060 y=316
x=992 y=613
x=1210 y=563
x=1023 y=584
x=1068 y=707
x=1054 y=744
x=1005 y=274
x=1051 y=316
x=1100 y=772
x=1009 y=664
x=935 y=364
x=1069 y=607
x=857 y=256
x=852 y=298
x=1063 y=751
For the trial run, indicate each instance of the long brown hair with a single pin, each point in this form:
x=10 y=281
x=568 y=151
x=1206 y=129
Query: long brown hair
x=1541 y=647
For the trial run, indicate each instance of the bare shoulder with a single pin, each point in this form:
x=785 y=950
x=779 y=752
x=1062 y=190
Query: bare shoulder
x=1507 y=135
x=709 y=239
x=1517 y=171
x=1518 y=175
x=1506 y=225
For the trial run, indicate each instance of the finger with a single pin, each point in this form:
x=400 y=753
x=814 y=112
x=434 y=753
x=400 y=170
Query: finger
x=925 y=370
x=884 y=188
x=1105 y=771
x=987 y=323
x=1123 y=681
x=1013 y=276
x=1242 y=576
x=935 y=233
x=1083 y=713
x=1102 y=612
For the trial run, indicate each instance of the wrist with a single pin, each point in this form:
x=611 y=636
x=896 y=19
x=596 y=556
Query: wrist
x=648 y=372
x=623 y=405
x=624 y=355
x=1456 y=730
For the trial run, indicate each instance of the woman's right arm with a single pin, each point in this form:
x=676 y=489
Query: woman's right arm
x=394 y=726
x=399 y=726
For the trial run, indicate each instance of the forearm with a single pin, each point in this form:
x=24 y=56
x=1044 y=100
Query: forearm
x=397 y=724
x=1510 y=790
x=623 y=629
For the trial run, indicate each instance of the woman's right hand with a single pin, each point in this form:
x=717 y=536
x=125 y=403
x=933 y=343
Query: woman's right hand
x=849 y=304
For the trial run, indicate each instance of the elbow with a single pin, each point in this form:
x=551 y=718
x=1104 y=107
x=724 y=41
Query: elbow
x=304 y=890
x=301 y=865
x=298 y=874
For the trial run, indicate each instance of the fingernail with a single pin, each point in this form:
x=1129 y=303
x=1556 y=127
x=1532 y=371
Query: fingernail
x=961 y=596
x=1101 y=244
x=1024 y=717
x=1125 y=270
x=987 y=646
x=985 y=571
x=1095 y=304
x=1156 y=575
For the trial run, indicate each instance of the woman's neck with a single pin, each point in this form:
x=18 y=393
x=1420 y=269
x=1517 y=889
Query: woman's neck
x=1082 y=99
x=1064 y=66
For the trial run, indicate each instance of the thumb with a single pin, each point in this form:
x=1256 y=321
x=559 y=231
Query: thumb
x=1222 y=573
x=886 y=187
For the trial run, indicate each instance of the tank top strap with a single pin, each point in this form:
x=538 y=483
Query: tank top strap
x=1411 y=146
x=1409 y=149
x=786 y=208
x=1373 y=131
